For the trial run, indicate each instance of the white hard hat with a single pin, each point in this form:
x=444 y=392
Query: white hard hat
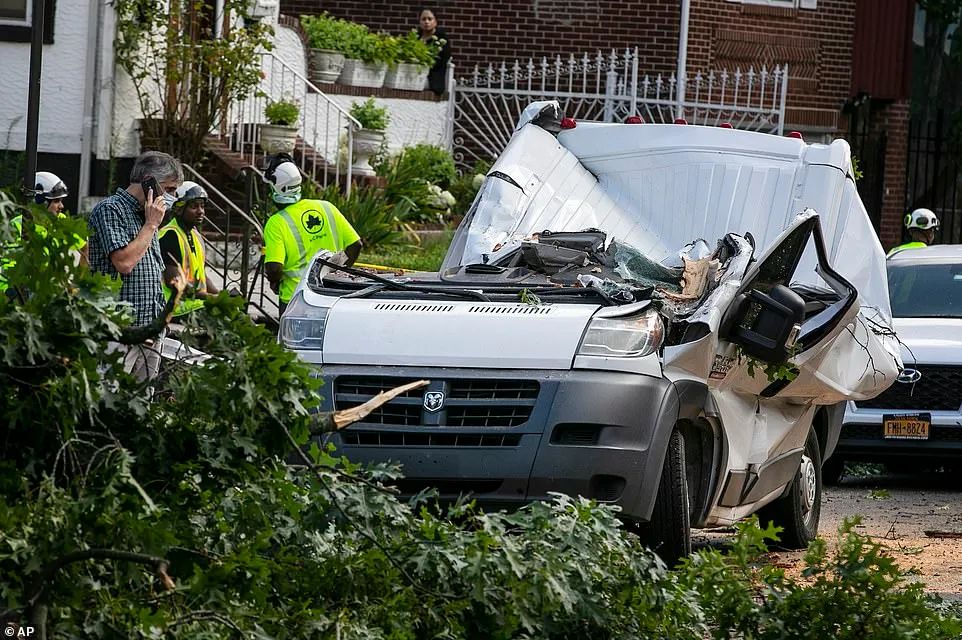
x=285 y=180
x=922 y=219
x=188 y=191
x=49 y=187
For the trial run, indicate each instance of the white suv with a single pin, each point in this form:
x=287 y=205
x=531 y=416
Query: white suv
x=919 y=418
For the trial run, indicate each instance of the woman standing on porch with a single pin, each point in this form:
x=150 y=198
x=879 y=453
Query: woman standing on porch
x=429 y=30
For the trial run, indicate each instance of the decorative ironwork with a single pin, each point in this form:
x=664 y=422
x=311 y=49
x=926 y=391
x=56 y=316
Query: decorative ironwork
x=486 y=103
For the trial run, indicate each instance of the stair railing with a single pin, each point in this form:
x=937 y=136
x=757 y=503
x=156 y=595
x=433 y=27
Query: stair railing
x=324 y=149
x=233 y=240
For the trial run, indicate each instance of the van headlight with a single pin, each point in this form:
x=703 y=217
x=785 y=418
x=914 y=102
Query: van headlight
x=624 y=337
x=302 y=325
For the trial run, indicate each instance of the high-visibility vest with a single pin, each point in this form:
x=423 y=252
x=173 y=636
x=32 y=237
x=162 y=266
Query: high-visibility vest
x=907 y=245
x=192 y=263
x=307 y=243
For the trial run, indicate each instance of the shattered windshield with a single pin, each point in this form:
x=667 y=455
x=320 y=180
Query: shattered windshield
x=617 y=270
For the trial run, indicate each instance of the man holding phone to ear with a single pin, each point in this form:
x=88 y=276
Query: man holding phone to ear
x=123 y=244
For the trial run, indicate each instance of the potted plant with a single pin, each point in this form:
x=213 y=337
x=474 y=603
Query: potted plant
x=325 y=36
x=370 y=137
x=367 y=56
x=279 y=135
x=415 y=58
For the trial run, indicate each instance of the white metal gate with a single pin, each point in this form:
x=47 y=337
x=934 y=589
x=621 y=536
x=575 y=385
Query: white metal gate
x=485 y=105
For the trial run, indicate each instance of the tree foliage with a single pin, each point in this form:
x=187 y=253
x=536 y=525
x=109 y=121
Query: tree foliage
x=190 y=508
x=185 y=73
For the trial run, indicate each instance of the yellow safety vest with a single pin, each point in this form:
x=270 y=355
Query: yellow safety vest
x=307 y=243
x=907 y=245
x=192 y=262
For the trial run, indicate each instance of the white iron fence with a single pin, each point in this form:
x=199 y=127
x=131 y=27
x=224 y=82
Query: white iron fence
x=325 y=131
x=485 y=105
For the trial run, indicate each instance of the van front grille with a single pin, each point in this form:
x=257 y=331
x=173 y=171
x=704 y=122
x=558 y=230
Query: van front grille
x=478 y=403
x=939 y=389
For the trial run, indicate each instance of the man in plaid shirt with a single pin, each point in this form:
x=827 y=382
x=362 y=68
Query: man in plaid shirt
x=123 y=243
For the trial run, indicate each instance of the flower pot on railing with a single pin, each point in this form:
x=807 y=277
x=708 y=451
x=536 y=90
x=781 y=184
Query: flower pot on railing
x=363 y=74
x=366 y=144
x=406 y=76
x=278 y=138
x=326 y=65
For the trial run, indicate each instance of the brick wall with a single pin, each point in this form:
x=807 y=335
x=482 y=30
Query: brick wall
x=482 y=31
x=817 y=45
x=894 y=119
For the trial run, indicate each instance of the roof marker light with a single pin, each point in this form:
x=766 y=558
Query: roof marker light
x=680 y=121
x=634 y=120
x=795 y=134
x=568 y=123
x=726 y=125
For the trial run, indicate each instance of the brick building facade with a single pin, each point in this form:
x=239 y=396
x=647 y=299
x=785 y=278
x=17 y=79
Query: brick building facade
x=817 y=38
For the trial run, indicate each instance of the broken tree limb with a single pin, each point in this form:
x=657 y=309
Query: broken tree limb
x=943 y=534
x=139 y=335
x=339 y=419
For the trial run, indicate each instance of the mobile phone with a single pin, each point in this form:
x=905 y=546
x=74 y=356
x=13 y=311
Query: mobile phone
x=150 y=183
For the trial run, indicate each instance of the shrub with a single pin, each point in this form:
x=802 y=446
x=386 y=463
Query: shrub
x=371 y=116
x=282 y=112
x=465 y=187
x=324 y=31
x=431 y=162
x=360 y=44
x=413 y=50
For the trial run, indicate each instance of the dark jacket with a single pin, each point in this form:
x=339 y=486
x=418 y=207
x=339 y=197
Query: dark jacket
x=438 y=75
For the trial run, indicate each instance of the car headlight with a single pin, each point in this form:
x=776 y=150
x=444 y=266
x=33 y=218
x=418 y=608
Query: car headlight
x=302 y=325
x=624 y=337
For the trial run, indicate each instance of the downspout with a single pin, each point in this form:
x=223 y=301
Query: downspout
x=90 y=86
x=106 y=82
x=218 y=19
x=681 y=74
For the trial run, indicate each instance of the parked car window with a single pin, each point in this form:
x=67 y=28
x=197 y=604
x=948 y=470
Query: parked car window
x=926 y=290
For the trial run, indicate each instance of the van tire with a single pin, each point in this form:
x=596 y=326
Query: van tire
x=668 y=533
x=799 y=510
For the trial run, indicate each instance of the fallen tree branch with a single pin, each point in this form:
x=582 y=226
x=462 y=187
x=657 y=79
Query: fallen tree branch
x=37 y=607
x=327 y=422
x=138 y=335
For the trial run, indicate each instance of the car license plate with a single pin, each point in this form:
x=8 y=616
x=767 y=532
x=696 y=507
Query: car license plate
x=908 y=426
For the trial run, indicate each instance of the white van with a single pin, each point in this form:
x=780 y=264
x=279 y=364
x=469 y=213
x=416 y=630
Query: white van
x=660 y=317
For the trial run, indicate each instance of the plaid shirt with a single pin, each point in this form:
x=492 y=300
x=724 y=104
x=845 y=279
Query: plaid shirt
x=114 y=223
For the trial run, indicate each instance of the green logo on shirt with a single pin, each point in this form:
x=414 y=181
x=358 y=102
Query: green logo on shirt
x=313 y=221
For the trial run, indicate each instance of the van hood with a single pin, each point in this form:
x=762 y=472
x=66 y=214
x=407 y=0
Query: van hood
x=454 y=333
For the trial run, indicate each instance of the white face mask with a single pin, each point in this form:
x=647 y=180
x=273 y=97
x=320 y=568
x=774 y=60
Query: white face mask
x=170 y=199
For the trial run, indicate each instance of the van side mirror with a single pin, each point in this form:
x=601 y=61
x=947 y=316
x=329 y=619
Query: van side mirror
x=767 y=325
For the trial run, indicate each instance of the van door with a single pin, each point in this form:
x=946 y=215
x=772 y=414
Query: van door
x=773 y=339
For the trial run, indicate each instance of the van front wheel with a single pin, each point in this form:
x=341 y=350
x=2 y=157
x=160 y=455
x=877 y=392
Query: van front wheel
x=669 y=532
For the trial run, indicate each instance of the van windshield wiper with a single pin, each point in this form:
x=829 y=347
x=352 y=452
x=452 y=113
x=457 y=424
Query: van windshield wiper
x=386 y=283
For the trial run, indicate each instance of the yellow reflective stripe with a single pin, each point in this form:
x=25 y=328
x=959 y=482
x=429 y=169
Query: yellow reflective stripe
x=301 y=251
x=331 y=224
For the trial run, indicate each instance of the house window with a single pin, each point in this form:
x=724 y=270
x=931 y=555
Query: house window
x=15 y=12
x=16 y=18
x=790 y=4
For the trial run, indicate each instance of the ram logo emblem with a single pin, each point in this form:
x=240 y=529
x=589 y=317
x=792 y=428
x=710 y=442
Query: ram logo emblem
x=433 y=400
